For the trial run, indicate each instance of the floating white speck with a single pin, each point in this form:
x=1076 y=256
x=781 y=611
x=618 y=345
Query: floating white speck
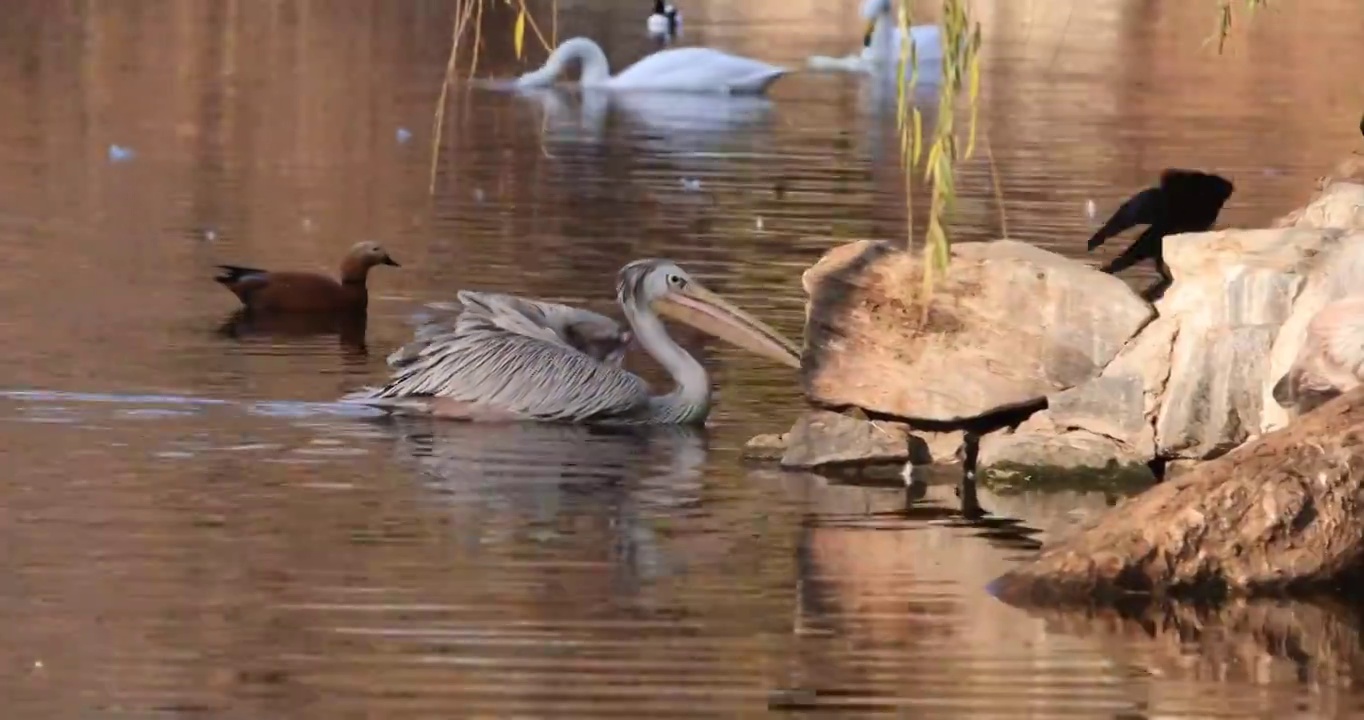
x=118 y=153
x=1091 y=210
x=403 y=135
x=479 y=195
x=758 y=223
x=691 y=184
x=210 y=235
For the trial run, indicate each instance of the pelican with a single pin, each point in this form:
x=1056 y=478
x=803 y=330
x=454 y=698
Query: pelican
x=689 y=69
x=492 y=370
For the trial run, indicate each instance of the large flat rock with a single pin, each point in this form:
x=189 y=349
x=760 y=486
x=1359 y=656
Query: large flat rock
x=1008 y=325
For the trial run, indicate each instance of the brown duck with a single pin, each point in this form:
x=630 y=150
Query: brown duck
x=302 y=292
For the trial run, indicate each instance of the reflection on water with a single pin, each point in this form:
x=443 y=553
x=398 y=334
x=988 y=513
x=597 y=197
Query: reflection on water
x=193 y=528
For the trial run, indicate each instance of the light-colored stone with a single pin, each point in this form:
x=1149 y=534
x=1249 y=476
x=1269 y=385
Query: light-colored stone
x=820 y=438
x=1239 y=277
x=941 y=447
x=1122 y=403
x=1008 y=325
x=1147 y=357
x=1032 y=457
x=1072 y=449
x=1213 y=399
x=1108 y=406
x=1233 y=291
x=1337 y=273
x=766 y=447
x=1340 y=204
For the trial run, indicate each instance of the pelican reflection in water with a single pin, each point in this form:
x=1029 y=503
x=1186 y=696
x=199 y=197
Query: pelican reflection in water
x=505 y=361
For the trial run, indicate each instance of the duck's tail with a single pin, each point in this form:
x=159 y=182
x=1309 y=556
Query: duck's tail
x=232 y=274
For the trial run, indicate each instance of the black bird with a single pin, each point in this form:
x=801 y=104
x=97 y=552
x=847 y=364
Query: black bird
x=1185 y=201
x=664 y=21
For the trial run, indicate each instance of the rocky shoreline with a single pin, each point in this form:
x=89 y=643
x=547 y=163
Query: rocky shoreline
x=1061 y=368
x=1069 y=377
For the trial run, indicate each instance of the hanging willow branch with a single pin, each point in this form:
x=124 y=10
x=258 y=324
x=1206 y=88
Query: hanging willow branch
x=961 y=68
x=961 y=37
x=467 y=11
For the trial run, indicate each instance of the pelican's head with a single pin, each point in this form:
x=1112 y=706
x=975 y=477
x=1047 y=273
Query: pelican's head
x=662 y=286
x=872 y=10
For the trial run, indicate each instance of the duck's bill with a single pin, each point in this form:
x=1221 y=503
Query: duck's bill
x=713 y=315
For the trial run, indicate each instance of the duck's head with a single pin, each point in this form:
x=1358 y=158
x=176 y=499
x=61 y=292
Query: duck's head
x=367 y=254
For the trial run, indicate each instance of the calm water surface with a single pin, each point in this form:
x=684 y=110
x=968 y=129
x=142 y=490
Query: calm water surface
x=190 y=530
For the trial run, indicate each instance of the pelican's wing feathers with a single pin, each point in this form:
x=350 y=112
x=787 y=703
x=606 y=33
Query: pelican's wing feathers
x=493 y=360
x=582 y=330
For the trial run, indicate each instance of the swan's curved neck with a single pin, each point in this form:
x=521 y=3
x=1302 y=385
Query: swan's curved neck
x=882 y=45
x=595 y=69
x=690 y=400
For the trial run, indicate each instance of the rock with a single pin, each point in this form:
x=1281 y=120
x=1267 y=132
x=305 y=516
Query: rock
x=1336 y=273
x=941 y=446
x=1278 y=514
x=823 y=438
x=1112 y=407
x=1100 y=432
x=1008 y=325
x=765 y=447
x=1215 y=392
x=1337 y=201
x=1233 y=290
x=1071 y=458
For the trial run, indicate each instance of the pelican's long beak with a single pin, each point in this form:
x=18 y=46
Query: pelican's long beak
x=712 y=314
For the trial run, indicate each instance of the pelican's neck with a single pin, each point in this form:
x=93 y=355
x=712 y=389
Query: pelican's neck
x=690 y=400
x=595 y=69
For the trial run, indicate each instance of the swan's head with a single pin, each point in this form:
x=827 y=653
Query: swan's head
x=873 y=9
x=871 y=12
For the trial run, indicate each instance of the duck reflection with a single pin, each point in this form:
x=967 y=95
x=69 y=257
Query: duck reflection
x=349 y=328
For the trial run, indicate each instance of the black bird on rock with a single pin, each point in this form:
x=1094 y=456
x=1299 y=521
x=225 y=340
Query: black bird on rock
x=1185 y=201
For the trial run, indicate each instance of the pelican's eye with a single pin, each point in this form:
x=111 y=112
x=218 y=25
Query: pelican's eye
x=677 y=281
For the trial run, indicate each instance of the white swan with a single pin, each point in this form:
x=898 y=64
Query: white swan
x=881 y=45
x=666 y=21
x=690 y=69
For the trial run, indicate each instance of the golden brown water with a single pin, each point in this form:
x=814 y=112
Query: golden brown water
x=190 y=531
